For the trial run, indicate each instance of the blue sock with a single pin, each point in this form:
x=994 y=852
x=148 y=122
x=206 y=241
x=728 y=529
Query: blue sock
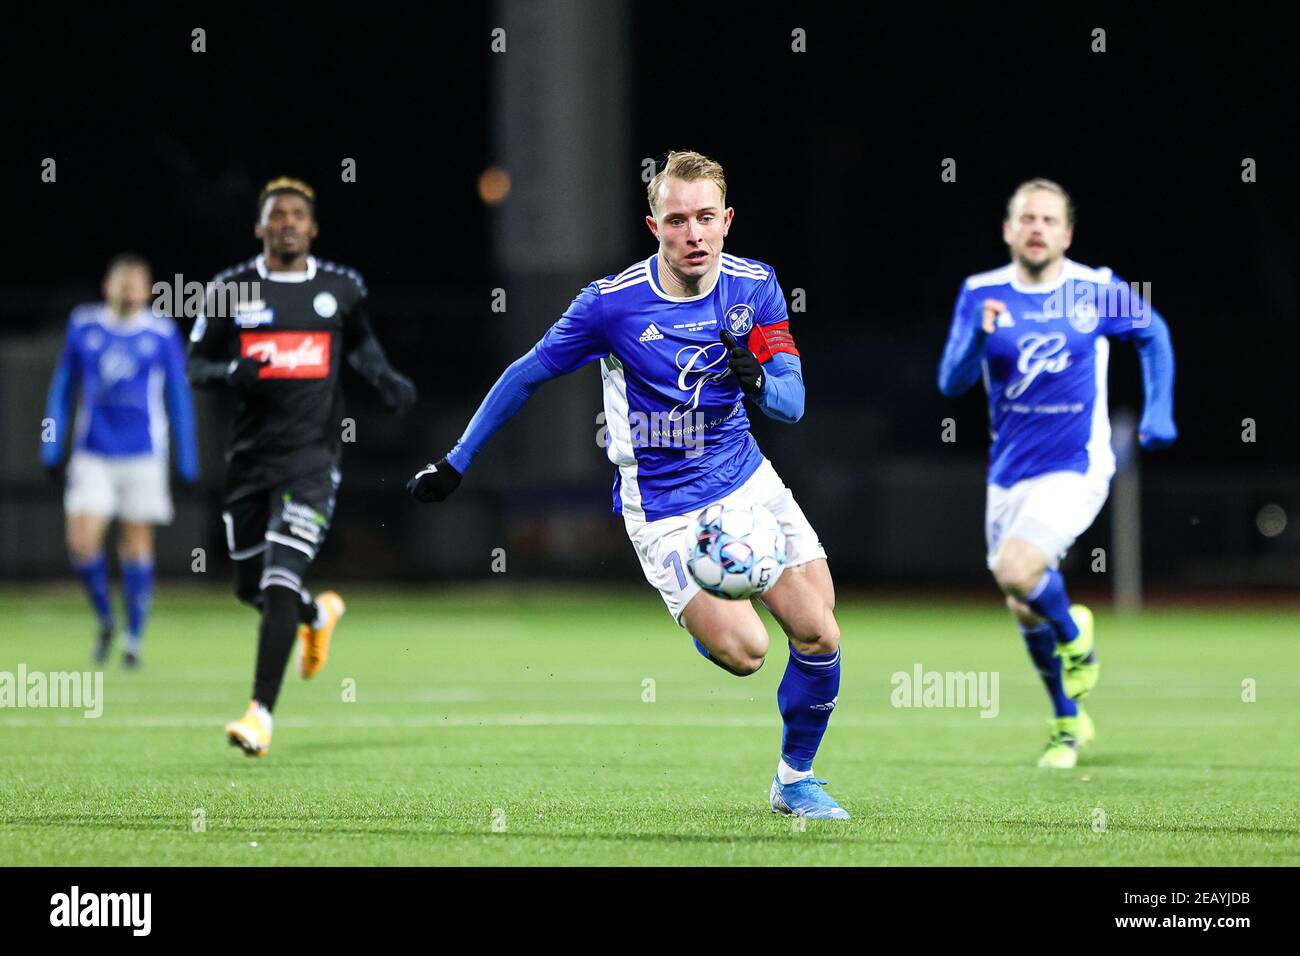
x=1041 y=641
x=1048 y=599
x=94 y=578
x=137 y=593
x=808 y=693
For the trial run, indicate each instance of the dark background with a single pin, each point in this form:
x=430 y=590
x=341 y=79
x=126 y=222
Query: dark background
x=833 y=159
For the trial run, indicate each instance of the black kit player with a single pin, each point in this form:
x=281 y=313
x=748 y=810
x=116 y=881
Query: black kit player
x=274 y=332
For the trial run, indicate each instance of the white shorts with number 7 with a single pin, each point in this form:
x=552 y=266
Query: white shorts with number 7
x=664 y=546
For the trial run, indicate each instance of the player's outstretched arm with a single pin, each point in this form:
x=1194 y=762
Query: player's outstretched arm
x=366 y=356
x=1138 y=322
x=959 y=368
x=58 y=406
x=1156 y=430
x=180 y=410
x=436 y=481
x=783 y=398
x=776 y=386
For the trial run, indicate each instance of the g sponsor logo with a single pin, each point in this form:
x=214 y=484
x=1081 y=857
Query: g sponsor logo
x=695 y=364
x=1039 y=352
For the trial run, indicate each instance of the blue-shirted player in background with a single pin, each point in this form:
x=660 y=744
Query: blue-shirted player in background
x=123 y=370
x=683 y=338
x=1037 y=330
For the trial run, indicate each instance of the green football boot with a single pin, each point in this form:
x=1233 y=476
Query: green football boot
x=1079 y=665
x=1069 y=734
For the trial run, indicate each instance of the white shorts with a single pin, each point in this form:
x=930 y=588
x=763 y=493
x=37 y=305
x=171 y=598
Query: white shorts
x=132 y=489
x=664 y=546
x=1049 y=510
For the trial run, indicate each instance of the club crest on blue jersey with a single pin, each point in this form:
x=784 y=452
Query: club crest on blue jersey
x=1083 y=317
x=740 y=319
x=117 y=364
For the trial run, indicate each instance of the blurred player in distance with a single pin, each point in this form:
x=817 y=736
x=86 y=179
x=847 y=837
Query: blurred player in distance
x=279 y=356
x=1037 y=331
x=686 y=336
x=123 y=371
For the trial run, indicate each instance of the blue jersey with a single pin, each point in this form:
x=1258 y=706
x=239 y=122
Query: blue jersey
x=1044 y=367
x=128 y=379
x=674 y=415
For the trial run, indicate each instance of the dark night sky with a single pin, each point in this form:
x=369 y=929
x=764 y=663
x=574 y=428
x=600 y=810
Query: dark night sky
x=833 y=158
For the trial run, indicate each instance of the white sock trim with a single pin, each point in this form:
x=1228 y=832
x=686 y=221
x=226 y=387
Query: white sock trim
x=1040 y=587
x=788 y=775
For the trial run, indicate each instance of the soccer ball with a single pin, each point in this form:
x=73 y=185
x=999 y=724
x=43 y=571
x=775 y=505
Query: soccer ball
x=739 y=552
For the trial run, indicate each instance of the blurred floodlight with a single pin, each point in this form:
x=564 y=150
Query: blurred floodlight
x=1271 y=520
x=493 y=185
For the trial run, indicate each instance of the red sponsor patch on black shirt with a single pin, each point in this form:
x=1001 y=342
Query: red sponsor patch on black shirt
x=288 y=354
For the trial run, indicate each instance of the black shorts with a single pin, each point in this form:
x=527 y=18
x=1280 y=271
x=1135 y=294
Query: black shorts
x=282 y=527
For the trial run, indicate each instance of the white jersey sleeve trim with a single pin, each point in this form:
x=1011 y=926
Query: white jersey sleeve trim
x=1001 y=276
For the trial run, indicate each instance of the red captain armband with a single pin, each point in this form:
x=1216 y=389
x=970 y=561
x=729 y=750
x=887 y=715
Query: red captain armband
x=766 y=340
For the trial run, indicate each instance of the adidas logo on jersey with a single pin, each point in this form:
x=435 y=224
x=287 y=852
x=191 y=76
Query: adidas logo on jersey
x=651 y=334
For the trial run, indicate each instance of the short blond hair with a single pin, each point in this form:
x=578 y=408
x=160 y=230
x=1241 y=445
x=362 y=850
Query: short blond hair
x=1048 y=185
x=286 y=184
x=688 y=166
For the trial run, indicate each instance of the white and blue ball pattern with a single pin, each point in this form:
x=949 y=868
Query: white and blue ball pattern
x=739 y=552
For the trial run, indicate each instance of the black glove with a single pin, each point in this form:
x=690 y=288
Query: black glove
x=744 y=365
x=57 y=474
x=186 y=489
x=396 y=391
x=243 y=374
x=434 y=482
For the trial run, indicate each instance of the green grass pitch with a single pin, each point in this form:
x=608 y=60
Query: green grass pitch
x=500 y=726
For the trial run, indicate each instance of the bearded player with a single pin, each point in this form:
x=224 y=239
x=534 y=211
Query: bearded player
x=273 y=336
x=686 y=336
x=1038 y=332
